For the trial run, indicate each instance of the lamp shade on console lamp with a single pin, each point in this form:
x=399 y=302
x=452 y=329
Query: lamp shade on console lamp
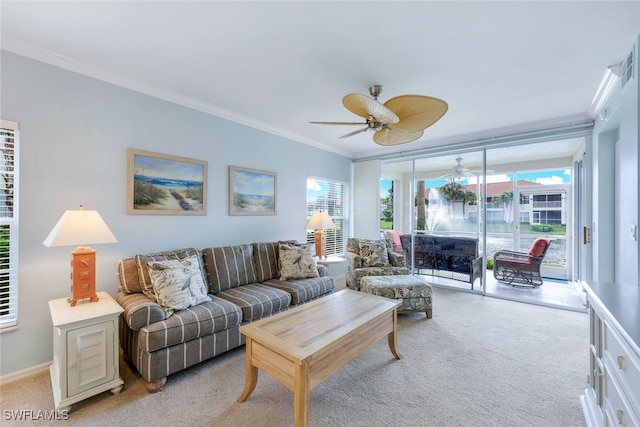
x=81 y=228
x=320 y=221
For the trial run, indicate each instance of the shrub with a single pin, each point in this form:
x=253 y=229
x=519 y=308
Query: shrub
x=489 y=263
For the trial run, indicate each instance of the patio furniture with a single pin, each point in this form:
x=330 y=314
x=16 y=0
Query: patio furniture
x=413 y=292
x=521 y=268
x=394 y=236
x=451 y=257
x=367 y=257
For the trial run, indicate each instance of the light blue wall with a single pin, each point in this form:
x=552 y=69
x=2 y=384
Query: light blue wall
x=75 y=132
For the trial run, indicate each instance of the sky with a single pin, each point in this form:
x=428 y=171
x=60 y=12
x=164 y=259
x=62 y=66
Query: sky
x=552 y=177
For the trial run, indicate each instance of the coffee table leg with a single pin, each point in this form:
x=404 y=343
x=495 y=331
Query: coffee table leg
x=251 y=374
x=301 y=396
x=393 y=345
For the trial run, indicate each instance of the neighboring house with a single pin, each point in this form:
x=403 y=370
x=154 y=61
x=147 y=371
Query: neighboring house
x=539 y=203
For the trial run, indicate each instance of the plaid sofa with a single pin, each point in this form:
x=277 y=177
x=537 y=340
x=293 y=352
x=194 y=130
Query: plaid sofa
x=244 y=286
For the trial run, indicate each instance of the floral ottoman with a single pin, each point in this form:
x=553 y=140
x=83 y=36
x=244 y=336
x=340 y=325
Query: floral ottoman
x=414 y=292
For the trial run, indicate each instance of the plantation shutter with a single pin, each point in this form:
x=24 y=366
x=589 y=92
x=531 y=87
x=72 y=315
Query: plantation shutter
x=9 y=134
x=328 y=196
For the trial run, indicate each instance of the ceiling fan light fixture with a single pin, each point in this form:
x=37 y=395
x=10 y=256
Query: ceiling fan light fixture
x=363 y=106
x=400 y=120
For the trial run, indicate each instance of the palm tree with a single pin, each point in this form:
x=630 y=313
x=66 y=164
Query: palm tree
x=507 y=198
x=468 y=197
x=420 y=206
x=453 y=192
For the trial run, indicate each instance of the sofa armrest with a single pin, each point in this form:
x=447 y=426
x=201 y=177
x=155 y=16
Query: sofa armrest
x=354 y=260
x=139 y=310
x=396 y=259
x=323 y=270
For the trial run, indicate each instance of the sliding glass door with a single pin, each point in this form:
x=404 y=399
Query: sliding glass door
x=455 y=208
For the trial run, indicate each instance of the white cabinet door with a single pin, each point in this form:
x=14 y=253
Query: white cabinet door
x=89 y=357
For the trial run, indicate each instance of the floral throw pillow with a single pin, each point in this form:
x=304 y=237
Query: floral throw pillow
x=374 y=254
x=178 y=284
x=297 y=262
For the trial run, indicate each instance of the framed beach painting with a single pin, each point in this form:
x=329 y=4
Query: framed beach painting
x=161 y=184
x=252 y=192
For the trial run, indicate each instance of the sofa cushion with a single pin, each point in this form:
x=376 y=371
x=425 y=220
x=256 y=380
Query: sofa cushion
x=373 y=253
x=297 y=262
x=178 y=284
x=191 y=323
x=143 y=269
x=257 y=300
x=538 y=247
x=229 y=267
x=265 y=255
x=128 y=276
x=305 y=289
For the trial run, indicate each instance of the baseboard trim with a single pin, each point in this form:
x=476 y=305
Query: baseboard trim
x=23 y=374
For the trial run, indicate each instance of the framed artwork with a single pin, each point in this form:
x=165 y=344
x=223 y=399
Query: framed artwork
x=161 y=184
x=252 y=192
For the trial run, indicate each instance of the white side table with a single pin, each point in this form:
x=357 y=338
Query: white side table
x=331 y=260
x=85 y=349
x=335 y=264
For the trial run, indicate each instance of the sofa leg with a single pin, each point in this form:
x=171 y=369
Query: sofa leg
x=155 y=386
x=429 y=313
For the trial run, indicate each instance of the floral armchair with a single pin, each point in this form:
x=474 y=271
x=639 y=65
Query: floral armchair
x=372 y=258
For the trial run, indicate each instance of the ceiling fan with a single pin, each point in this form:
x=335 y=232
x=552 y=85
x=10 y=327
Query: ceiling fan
x=460 y=171
x=400 y=120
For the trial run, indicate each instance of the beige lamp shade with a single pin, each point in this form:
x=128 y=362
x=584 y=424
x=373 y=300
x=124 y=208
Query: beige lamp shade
x=79 y=228
x=320 y=221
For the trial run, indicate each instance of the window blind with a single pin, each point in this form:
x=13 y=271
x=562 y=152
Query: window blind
x=328 y=196
x=9 y=135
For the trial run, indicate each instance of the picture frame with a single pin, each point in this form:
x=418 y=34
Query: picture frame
x=252 y=191
x=163 y=184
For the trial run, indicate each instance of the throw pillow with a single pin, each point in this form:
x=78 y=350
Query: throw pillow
x=373 y=254
x=143 y=270
x=297 y=262
x=170 y=286
x=178 y=284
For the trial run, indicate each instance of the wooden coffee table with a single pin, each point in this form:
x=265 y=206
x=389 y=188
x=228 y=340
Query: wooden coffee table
x=303 y=346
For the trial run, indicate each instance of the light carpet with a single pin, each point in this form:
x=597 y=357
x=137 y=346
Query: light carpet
x=479 y=361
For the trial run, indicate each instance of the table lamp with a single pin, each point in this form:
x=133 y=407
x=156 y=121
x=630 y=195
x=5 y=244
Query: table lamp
x=320 y=221
x=80 y=228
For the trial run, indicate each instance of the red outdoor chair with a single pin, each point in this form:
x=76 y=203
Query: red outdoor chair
x=521 y=268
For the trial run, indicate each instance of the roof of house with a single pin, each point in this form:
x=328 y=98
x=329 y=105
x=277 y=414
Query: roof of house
x=495 y=188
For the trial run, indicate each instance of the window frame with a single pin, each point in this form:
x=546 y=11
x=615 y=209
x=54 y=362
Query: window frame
x=9 y=218
x=335 y=243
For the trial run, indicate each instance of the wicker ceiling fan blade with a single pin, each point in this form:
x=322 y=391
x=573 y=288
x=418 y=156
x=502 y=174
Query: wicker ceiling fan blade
x=416 y=112
x=339 y=123
x=388 y=137
x=366 y=107
x=355 y=132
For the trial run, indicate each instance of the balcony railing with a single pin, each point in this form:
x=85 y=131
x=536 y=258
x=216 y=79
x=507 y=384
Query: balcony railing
x=547 y=204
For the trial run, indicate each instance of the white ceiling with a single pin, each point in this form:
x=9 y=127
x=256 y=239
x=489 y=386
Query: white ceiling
x=503 y=67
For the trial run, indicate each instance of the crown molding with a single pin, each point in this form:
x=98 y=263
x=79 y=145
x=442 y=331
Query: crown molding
x=37 y=53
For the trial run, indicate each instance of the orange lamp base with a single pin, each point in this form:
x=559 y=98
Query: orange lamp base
x=83 y=275
x=321 y=244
